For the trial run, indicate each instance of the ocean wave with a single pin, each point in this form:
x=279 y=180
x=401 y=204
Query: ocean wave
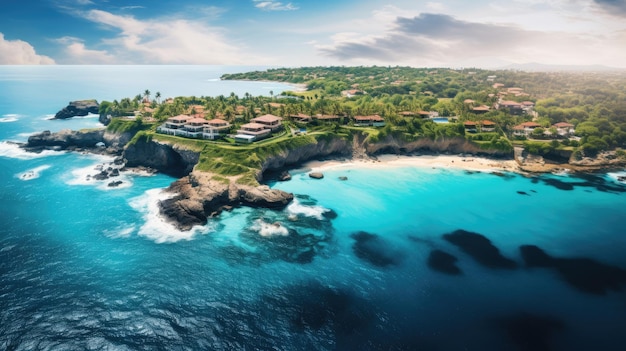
x=619 y=177
x=120 y=232
x=13 y=150
x=48 y=117
x=8 y=119
x=156 y=227
x=296 y=208
x=33 y=173
x=266 y=229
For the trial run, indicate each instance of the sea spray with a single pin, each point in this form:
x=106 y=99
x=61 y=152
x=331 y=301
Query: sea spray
x=155 y=226
x=32 y=173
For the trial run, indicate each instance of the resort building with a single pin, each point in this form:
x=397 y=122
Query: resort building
x=372 y=120
x=525 y=128
x=407 y=114
x=564 y=129
x=487 y=126
x=194 y=127
x=250 y=132
x=300 y=117
x=480 y=109
x=269 y=121
x=470 y=126
x=515 y=108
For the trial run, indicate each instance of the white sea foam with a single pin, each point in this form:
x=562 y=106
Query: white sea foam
x=48 y=117
x=269 y=229
x=295 y=208
x=120 y=232
x=32 y=173
x=26 y=135
x=8 y=119
x=13 y=150
x=616 y=176
x=156 y=227
x=85 y=176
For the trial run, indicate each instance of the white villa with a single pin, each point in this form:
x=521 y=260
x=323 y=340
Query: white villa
x=250 y=132
x=194 y=127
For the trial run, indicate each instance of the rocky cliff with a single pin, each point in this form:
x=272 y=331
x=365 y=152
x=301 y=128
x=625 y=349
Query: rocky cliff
x=78 y=108
x=170 y=159
x=395 y=145
x=323 y=147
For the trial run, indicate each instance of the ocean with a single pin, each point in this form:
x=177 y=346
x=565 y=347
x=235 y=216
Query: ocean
x=401 y=258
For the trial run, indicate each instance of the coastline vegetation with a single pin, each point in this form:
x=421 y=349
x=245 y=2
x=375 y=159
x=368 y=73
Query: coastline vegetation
x=408 y=99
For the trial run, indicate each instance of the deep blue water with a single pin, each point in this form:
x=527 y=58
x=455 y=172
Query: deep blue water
x=84 y=266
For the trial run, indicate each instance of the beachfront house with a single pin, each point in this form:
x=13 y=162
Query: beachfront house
x=273 y=123
x=194 y=128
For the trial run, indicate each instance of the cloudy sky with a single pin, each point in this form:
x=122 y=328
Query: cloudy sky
x=450 y=33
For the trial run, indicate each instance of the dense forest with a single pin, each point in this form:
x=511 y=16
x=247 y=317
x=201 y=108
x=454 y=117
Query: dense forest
x=594 y=103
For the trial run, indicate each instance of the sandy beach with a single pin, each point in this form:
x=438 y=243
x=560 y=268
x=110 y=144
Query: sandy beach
x=471 y=163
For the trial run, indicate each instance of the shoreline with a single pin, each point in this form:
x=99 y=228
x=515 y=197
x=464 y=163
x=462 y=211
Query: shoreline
x=468 y=163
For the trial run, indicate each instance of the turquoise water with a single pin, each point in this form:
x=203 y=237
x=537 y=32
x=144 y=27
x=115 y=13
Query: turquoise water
x=85 y=266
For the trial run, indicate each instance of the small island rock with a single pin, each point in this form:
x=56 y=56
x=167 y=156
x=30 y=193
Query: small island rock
x=316 y=175
x=78 y=108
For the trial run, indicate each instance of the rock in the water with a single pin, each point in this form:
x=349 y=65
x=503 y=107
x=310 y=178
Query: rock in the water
x=101 y=176
x=115 y=183
x=343 y=178
x=316 y=175
x=114 y=172
x=78 y=108
x=284 y=176
x=480 y=248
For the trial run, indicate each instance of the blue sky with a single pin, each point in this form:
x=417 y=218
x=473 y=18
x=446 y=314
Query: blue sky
x=451 y=33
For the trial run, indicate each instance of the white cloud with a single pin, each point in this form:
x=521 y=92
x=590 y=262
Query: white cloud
x=18 y=52
x=157 y=41
x=274 y=5
x=77 y=53
x=442 y=40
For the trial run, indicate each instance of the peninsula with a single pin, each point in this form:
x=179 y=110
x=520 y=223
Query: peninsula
x=222 y=147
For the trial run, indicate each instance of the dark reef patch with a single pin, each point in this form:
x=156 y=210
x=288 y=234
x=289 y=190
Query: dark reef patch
x=523 y=193
x=480 y=249
x=371 y=248
x=531 y=332
x=583 y=180
x=443 y=262
x=584 y=274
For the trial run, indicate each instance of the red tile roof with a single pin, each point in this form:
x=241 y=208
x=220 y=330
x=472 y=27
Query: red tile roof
x=267 y=119
x=563 y=125
x=375 y=118
x=487 y=123
x=469 y=123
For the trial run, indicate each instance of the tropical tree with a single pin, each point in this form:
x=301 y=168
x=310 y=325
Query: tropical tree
x=158 y=97
x=146 y=94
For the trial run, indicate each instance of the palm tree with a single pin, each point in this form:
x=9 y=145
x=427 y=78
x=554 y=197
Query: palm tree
x=146 y=94
x=158 y=97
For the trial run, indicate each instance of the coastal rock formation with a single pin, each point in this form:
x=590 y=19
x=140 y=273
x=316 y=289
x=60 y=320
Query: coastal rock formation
x=199 y=196
x=316 y=175
x=78 y=108
x=322 y=148
x=65 y=140
x=166 y=158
